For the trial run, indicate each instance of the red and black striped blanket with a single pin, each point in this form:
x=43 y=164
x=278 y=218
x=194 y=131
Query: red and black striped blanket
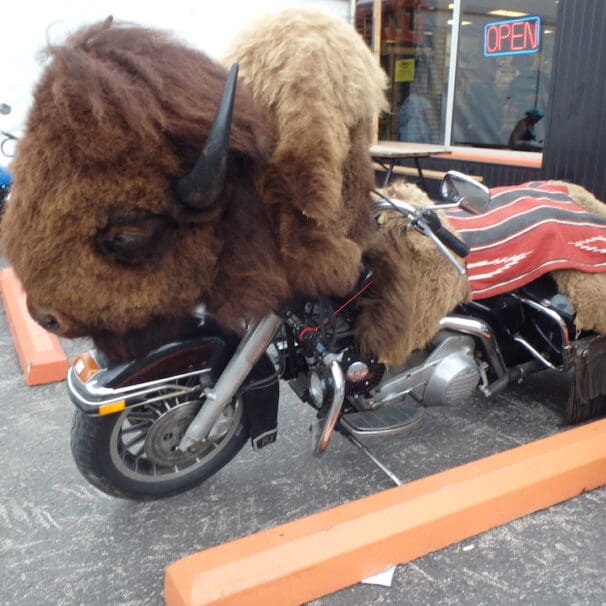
x=528 y=230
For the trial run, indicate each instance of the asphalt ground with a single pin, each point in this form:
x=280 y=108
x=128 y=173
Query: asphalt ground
x=64 y=543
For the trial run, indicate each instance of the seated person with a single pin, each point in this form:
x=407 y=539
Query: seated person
x=523 y=136
x=415 y=119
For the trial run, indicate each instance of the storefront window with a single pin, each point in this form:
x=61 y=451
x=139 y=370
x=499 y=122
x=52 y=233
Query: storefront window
x=414 y=50
x=498 y=92
x=503 y=73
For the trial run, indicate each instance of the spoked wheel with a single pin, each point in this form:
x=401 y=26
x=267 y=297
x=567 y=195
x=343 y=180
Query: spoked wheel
x=134 y=454
x=143 y=443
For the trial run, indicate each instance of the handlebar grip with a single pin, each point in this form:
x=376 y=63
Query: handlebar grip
x=446 y=237
x=451 y=241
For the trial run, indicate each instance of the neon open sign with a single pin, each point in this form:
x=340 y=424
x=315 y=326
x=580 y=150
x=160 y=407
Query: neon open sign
x=512 y=37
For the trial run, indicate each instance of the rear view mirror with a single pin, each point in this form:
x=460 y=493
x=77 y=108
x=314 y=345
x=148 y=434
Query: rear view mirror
x=468 y=193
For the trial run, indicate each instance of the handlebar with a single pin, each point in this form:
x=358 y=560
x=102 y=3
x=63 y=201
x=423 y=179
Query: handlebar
x=426 y=221
x=446 y=237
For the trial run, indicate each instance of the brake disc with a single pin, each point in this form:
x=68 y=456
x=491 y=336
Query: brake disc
x=165 y=434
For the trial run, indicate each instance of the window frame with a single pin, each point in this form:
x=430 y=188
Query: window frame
x=487 y=154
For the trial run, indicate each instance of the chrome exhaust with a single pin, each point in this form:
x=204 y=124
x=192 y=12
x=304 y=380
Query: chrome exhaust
x=483 y=333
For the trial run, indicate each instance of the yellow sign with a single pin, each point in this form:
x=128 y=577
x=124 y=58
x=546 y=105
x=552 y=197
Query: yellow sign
x=405 y=70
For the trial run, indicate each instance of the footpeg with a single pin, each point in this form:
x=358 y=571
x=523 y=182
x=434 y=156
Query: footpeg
x=391 y=418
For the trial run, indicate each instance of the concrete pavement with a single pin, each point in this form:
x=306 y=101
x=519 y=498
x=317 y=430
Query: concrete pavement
x=64 y=543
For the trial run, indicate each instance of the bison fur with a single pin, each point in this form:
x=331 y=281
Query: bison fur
x=94 y=229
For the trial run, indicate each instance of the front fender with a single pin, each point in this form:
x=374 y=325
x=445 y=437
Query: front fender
x=98 y=387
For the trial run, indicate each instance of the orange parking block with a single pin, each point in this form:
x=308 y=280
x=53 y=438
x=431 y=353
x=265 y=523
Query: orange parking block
x=305 y=559
x=40 y=354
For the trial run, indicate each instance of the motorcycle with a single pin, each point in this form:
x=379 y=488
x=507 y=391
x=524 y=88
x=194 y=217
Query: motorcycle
x=6 y=148
x=159 y=425
x=5 y=187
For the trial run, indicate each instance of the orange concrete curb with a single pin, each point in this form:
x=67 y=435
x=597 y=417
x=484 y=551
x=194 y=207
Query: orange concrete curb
x=302 y=560
x=40 y=354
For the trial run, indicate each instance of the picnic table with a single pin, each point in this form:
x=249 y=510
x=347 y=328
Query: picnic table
x=389 y=153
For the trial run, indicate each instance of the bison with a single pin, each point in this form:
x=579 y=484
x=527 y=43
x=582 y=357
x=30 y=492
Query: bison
x=119 y=225
x=150 y=179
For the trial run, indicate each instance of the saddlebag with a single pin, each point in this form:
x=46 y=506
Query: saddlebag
x=587 y=398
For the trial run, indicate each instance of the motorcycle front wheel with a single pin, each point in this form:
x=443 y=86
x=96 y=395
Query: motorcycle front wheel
x=133 y=454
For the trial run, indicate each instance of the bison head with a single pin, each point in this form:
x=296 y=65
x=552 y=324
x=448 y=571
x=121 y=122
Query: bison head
x=117 y=223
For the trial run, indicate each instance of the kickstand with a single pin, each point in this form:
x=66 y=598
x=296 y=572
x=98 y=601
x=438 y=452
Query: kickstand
x=392 y=476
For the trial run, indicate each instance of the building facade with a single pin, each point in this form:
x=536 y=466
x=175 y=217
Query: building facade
x=511 y=86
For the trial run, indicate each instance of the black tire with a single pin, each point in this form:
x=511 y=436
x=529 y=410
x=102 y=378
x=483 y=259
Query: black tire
x=148 y=466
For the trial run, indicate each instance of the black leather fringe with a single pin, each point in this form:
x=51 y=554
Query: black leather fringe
x=587 y=398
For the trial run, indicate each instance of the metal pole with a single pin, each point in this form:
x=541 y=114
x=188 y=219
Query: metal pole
x=390 y=474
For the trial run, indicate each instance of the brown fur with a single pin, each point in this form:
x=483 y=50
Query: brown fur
x=106 y=135
x=120 y=111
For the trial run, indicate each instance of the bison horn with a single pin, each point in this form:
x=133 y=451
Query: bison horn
x=200 y=189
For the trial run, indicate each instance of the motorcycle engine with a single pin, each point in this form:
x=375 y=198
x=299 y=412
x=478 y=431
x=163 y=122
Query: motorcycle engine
x=448 y=375
x=362 y=374
x=455 y=374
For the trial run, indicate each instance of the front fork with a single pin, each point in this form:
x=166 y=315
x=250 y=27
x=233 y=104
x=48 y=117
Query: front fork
x=257 y=339
x=250 y=350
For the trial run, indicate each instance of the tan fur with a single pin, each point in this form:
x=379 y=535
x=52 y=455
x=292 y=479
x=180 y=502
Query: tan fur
x=587 y=292
x=319 y=80
x=321 y=85
x=416 y=286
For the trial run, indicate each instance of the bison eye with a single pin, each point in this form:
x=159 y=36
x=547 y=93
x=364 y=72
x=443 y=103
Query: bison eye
x=136 y=242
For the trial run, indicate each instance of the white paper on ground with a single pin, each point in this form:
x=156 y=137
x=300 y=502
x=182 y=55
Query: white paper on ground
x=382 y=578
